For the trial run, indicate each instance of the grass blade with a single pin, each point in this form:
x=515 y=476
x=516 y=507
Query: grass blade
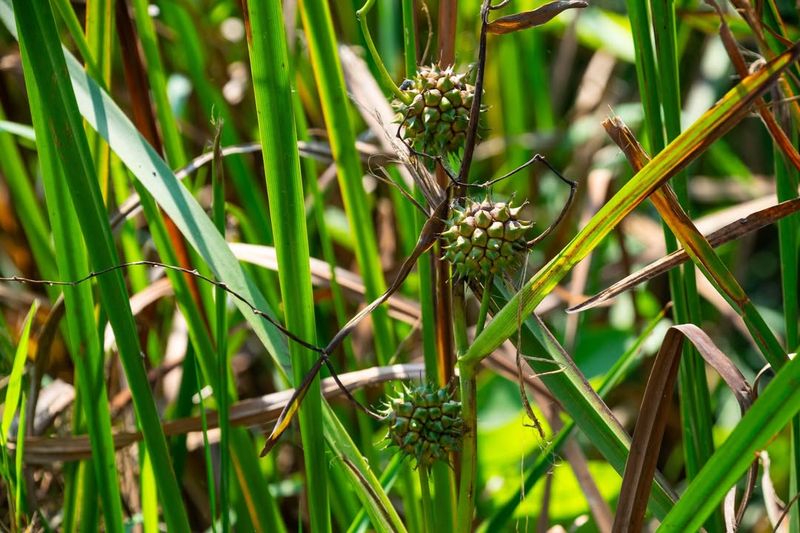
x=38 y=35
x=330 y=80
x=716 y=121
x=221 y=337
x=269 y=62
x=699 y=249
x=14 y=389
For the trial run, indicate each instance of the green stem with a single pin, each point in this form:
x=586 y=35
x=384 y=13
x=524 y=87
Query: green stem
x=329 y=78
x=409 y=38
x=269 y=63
x=459 y=318
x=385 y=77
x=220 y=300
x=212 y=498
x=485 y=301
x=469 y=450
x=427 y=510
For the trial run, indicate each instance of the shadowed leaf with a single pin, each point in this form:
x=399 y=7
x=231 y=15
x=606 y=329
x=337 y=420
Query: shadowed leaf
x=653 y=414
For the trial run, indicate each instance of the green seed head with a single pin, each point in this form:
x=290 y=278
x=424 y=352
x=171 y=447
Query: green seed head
x=484 y=237
x=425 y=423
x=442 y=99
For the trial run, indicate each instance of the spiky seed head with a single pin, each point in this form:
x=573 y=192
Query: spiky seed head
x=436 y=120
x=484 y=237
x=425 y=423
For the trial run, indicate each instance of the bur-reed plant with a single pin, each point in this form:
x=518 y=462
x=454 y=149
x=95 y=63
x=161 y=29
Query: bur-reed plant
x=275 y=73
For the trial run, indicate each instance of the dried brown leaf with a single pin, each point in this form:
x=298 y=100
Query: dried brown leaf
x=529 y=19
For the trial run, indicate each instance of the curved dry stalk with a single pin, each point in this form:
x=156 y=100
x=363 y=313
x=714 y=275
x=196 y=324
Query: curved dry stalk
x=316 y=150
x=652 y=419
x=250 y=412
x=734 y=230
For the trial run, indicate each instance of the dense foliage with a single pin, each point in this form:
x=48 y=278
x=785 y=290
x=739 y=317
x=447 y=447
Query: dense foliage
x=399 y=266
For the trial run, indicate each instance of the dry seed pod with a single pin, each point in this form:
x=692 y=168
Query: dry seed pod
x=425 y=423
x=484 y=237
x=436 y=119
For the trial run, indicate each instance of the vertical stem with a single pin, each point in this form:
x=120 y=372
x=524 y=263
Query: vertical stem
x=486 y=299
x=223 y=396
x=444 y=317
x=786 y=177
x=99 y=38
x=409 y=38
x=269 y=62
x=448 y=18
x=427 y=510
x=444 y=296
x=318 y=26
x=212 y=497
x=469 y=449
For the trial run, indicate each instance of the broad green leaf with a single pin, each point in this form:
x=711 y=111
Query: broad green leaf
x=57 y=112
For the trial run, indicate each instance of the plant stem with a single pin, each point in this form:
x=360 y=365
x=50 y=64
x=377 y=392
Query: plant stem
x=469 y=448
x=269 y=62
x=220 y=301
x=385 y=77
x=427 y=510
x=486 y=299
x=335 y=105
x=409 y=38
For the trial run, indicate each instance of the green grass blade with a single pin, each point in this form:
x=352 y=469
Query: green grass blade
x=786 y=177
x=269 y=63
x=367 y=487
x=149 y=491
x=388 y=478
x=14 y=389
x=409 y=39
x=538 y=79
x=39 y=36
x=19 y=471
x=676 y=156
x=70 y=20
x=100 y=32
x=221 y=337
x=694 y=395
x=173 y=146
x=82 y=337
x=30 y=213
x=330 y=81
x=212 y=490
